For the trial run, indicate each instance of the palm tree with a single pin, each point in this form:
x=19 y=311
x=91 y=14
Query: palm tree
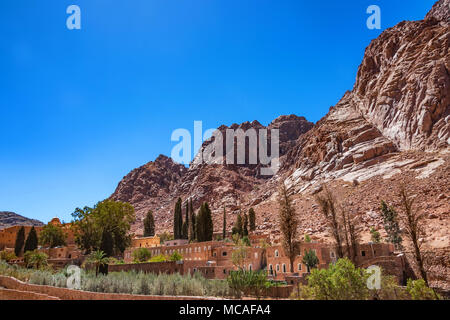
x=98 y=258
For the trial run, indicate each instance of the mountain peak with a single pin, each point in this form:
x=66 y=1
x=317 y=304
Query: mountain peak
x=440 y=11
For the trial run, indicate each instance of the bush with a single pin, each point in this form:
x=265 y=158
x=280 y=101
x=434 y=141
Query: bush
x=7 y=255
x=158 y=258
x=418 y=290
x=176 y=256
x=35 y=259
x=251 y=282
x=141 y=255
x=341 y=281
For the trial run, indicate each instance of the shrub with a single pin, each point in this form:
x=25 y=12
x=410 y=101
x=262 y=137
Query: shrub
x=176 y=256
x=158 y=258
x=125 y=282
x=7 y=255
x=418 y=290
x=141 y=255
x=35 y=259
x=341 y=281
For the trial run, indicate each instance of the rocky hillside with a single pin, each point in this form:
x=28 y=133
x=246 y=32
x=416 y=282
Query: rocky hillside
x=393 y=128
x=8 y=219
x=158 y=184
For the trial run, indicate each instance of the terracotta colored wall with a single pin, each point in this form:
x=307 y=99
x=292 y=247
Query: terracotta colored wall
x=9 y=294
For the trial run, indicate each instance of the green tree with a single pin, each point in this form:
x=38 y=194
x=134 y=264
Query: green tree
x=204 y=224
x=141 y=255
x=35 y=259
x=310 y=259
x=92 y=225
x=165 y=236
x=246 y=241
x=52 y=236
x=418 y=290
x=185 y=228
x=327 y=204
x=375 y=236
x=192 y=224
x=245 y=229
x=107 y=244
x=224 y=227
x=175 y=256
x=31 y=243
x=307 y=238
x=20 y=241
x=391 y=225
x=149 y=224
x=239 y=254
x=341 y=281
x=288 y=225
x=177 y=220
x=238 y=225
x=252 y=219
x=98 y=259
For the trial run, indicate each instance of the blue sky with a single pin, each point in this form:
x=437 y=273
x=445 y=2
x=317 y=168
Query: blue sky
x=80 y=108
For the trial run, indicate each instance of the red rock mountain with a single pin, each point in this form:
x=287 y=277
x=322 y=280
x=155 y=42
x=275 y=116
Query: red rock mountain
x=392 y=128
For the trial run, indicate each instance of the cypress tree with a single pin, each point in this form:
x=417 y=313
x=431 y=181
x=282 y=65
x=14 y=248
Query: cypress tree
x=149 y=225
x=224 y=228
x=204 y=224
x=192 y=225
x=20 y=240
x=32 y=241
x=238 y=225
x=252 y=219
x=391 y=225
x=177 y=220
x=185 y=228
x=209 y=231
x=245 y=229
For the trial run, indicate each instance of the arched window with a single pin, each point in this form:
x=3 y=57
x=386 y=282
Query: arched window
x=270 y=269
x=299 y=267
x=278 y=267
x=276 y=253
x=249 y=267
x=284 y=268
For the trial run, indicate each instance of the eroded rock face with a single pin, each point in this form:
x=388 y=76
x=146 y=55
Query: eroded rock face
x=152 y=180
x=393 y=127
x=157 y=185
x=403 y=83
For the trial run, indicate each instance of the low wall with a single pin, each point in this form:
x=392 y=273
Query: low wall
x=276 y=292
x=70 y=294
x=9 y=294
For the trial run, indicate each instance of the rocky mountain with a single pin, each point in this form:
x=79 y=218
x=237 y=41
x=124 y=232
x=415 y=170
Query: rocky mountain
x=8 y=219
x=392 y=128
x=157 y=185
